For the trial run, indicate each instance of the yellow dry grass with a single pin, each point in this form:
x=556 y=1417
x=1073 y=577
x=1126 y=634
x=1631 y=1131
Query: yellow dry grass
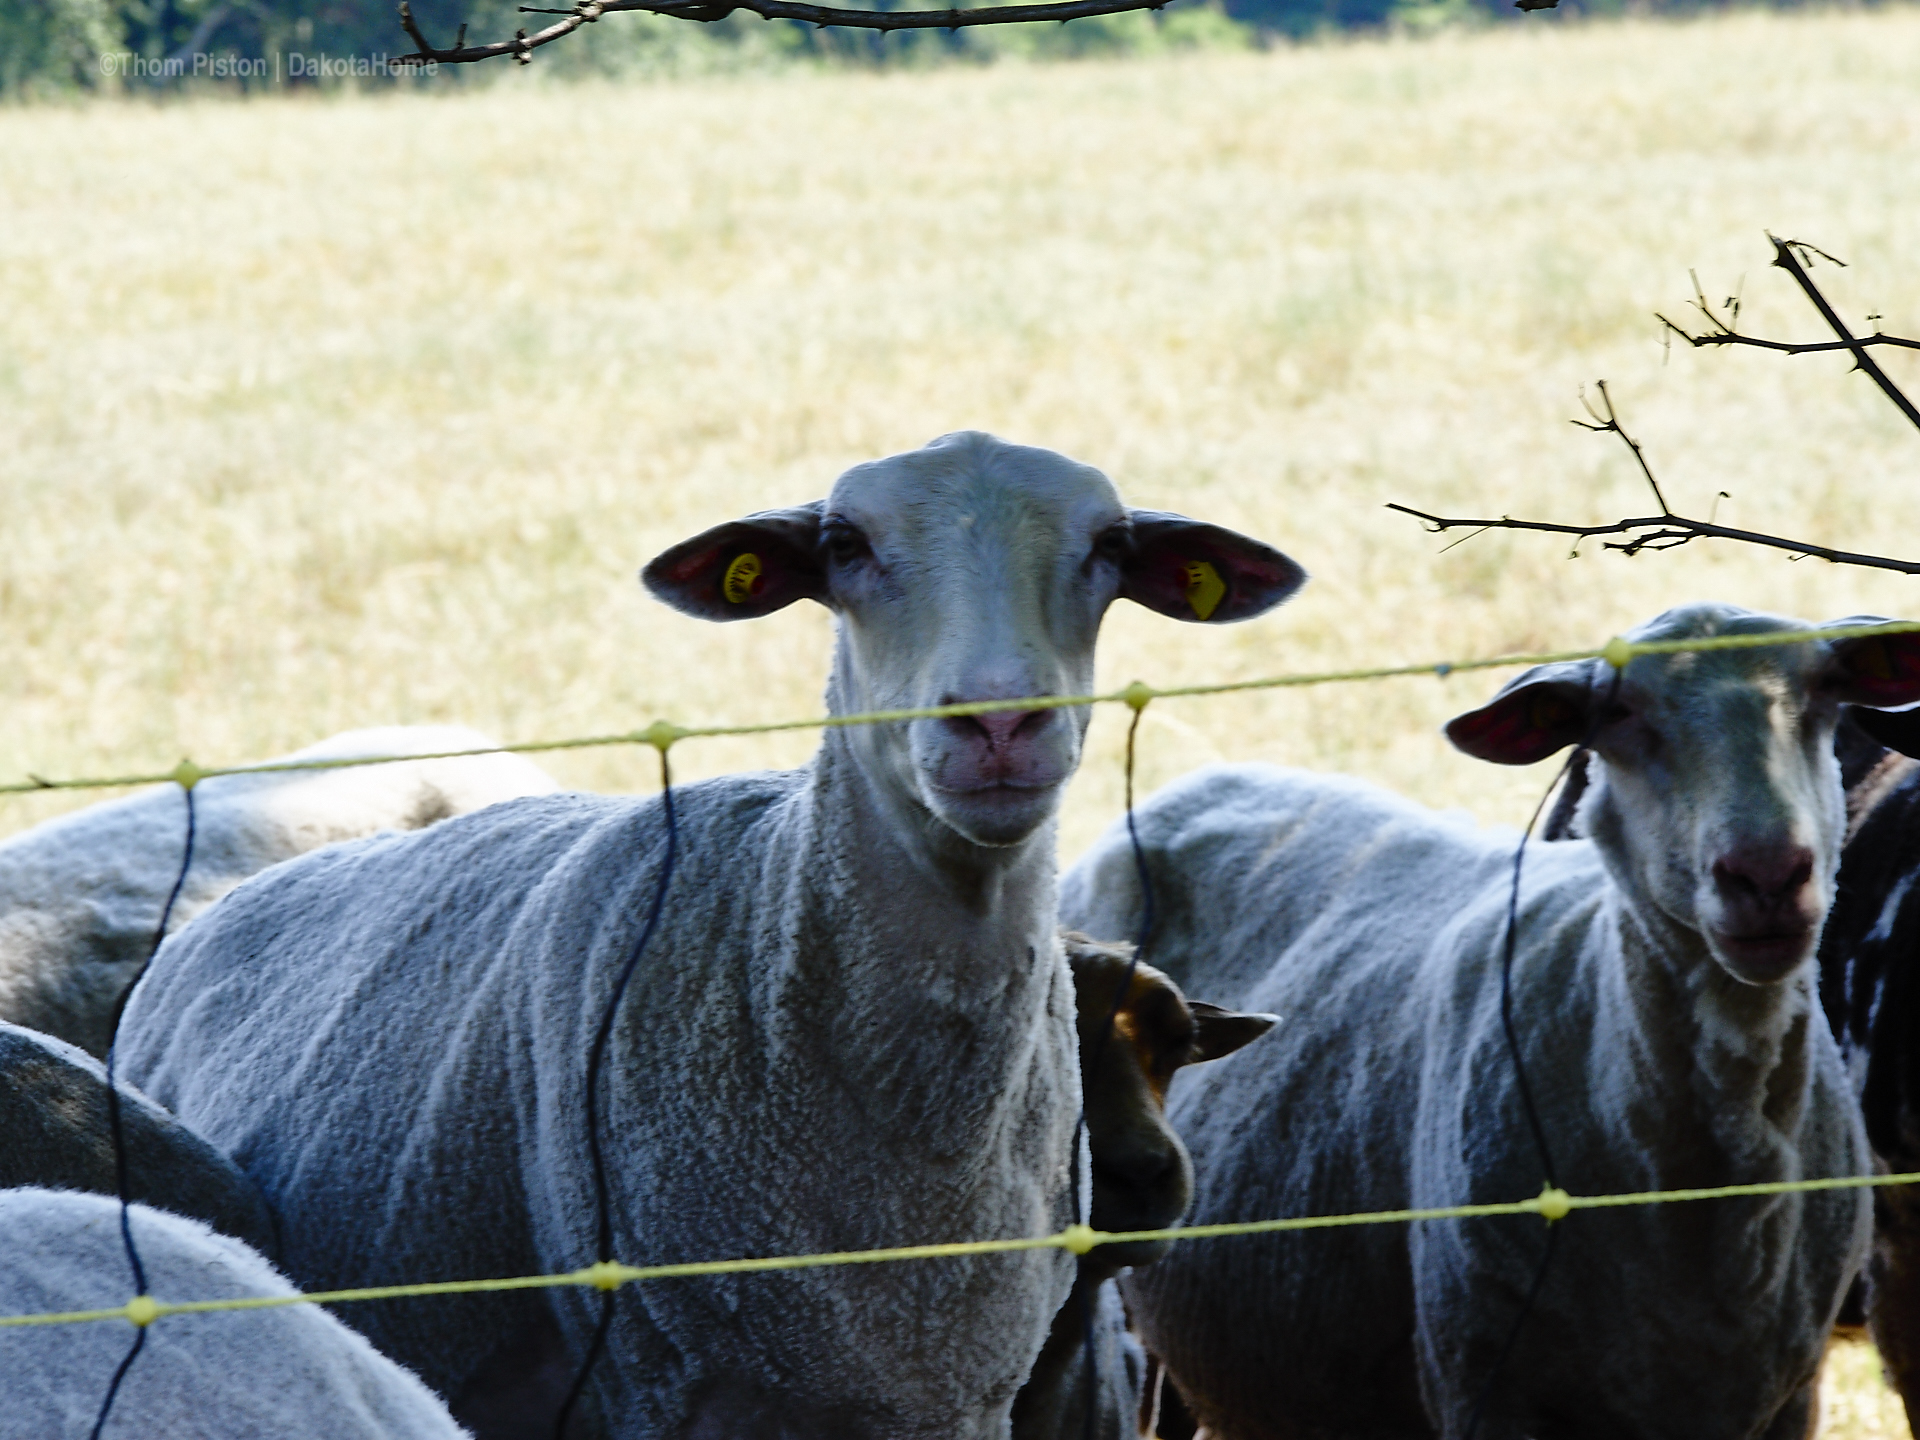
x=1855 y=1403
x=330 y=412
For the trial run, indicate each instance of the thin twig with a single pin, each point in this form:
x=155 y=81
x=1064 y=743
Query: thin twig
x=1813 y=347
x=1787 y=255
x=1665 y=531
x=1605 y=422
x=705 y=12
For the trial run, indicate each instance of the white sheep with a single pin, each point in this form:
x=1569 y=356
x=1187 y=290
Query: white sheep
x=1663 y=1000
x=853 y=1027
x=54 y=1134
x=81 y=895
x=292 y=1373
x=1136 y=1032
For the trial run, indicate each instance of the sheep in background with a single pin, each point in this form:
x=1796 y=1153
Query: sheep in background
x=54 y=1135
x=292 y=1373
x=1661 y=992
x=1869 y=964
x=81 y=895
x=1142 y=1179
x=852 y=1028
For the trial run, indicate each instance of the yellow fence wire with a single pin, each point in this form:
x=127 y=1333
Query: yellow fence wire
x=663 y=734
x=1550 y=1204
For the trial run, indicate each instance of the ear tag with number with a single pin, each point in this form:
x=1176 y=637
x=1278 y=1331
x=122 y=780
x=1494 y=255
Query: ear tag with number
x=1205 y=588
x=745 y=578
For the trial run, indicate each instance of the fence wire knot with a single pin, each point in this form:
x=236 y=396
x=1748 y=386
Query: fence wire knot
x=606 y=1275
x=1617 y=652
x=1079 y=1238
x=143 y=1310
x=660 y=734
x=1553 y=1203
x=1137 y=695
x=186 y=774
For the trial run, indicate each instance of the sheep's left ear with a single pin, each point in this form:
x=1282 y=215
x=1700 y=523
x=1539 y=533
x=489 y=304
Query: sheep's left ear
x=744 y=568
x=1881 y=672
x=1218 y=1032
x=1195 y=571
x=1539 y=713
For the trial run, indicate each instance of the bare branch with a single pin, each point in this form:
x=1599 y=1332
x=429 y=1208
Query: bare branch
x=1665 y=531
x=1814 y=347
x=585 y=12
x=1668 y=531
x=1787 y=260
x=1789 y=256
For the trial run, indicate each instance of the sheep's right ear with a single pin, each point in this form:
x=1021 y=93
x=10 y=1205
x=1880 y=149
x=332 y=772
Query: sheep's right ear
x=1218 y=1032
x=1535 y=715
x=744 y=568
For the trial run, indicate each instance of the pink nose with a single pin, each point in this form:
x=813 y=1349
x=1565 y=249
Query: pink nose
x=1771 y=873
x=1002 y=726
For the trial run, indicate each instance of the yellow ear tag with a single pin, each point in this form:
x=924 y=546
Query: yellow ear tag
x=1205 y=588
x=742 y=580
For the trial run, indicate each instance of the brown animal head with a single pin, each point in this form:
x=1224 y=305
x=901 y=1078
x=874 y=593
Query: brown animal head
x=1142 y=1178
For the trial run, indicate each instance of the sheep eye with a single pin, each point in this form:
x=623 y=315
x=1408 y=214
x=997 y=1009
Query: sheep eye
x=1114 y=543
x=843 y=541
x=1629 y=728
x=1615 y=715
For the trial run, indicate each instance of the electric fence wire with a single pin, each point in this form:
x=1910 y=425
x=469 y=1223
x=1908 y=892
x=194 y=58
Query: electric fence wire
x=117 y=1129
x=1091 y=1075
x=1534 y=1127
x=1616 y=652
x=596 y=1057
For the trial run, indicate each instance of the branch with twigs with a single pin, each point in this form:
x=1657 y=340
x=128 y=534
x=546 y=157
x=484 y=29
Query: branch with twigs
x=706 y=12
x=1795 y=257
x=1665 y=531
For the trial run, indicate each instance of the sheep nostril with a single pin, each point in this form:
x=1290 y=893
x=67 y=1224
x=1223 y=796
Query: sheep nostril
x=1771 y=874
x=1002 y=727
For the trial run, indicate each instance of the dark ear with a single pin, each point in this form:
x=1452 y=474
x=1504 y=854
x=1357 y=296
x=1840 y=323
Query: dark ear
x=1218 y=1032
x=743 y=568
x=1195 y=571
x=1542 y=711
x=1881 y=671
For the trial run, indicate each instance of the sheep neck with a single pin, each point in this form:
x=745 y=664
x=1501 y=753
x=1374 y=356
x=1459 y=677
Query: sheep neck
x=1745 y=1049
x=932 y=981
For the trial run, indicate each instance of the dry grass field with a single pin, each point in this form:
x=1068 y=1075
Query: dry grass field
x=343 y=411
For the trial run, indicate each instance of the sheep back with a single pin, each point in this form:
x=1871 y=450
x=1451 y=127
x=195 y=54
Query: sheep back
x=81 y=895
x=293 y=1373
x=53 y=1122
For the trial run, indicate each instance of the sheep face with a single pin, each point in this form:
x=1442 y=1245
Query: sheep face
x=970 y=570
x=1142 y=1176
x=1716 y=797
